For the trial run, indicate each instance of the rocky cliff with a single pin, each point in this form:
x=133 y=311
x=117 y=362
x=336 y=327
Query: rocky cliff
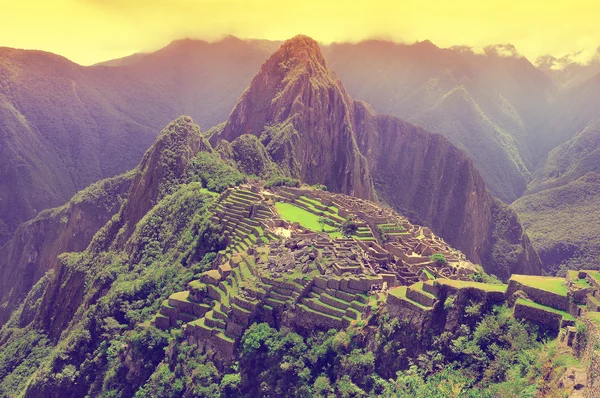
x=69 y=228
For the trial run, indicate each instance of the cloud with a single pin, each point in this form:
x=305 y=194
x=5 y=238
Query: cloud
x=502 y=50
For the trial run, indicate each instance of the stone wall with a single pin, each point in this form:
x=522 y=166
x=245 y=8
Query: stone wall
x=546 y=319
x=540 y=296
x=591 y=353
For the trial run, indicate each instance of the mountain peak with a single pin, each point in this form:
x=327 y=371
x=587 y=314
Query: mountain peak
x=300 y=50
x=293 y=81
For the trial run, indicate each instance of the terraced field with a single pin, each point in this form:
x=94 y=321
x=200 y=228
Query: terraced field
x=242 y=213
x=307 y=212
x=549 y=284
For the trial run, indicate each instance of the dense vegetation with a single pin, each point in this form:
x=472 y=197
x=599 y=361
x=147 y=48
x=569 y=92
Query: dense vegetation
x=213 y=173
x=85 y=328
x=497 y=356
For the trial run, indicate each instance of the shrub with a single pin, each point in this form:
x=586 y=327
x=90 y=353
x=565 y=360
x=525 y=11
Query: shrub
x=349 y=227
x=280 y=181
x=438 y=258
x=449 y=303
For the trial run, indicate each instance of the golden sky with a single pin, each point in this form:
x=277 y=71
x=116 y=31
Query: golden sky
x=89 y=31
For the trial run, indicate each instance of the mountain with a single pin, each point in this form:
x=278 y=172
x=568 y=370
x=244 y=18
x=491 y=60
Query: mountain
x=568 y=115
x=37 y=244
x=304 y=117
x=558 y=206
x=185 y=289
x=565 y=72
x=64 y=126
x=570 y=160
x=563 y=223
x=295 y=88
x=487 y=104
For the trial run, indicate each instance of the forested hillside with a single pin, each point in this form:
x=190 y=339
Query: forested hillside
x=64 y=126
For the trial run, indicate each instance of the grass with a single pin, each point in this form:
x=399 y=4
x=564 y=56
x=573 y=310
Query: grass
x=428 y=274
x=399 y=291
x=329 y=209
x=206 y=191
x=486 y=287
x=419 y=286
x=594 y=317
x=578 y=283
x=549 y=284
x=181 y=296
x=595 y=275
x=533 y=304
x=568 y=361
x=581 y=283
x=292 y=214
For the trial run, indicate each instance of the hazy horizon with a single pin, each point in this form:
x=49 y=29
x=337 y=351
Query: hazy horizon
x=92 y=31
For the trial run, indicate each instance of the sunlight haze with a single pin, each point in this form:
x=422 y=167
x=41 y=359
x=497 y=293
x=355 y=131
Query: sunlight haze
x=90 y=31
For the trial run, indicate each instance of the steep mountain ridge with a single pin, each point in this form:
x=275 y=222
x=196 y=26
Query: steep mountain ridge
x=570 y=160
x=294 y=86
x=36 y=245
x=563 y=222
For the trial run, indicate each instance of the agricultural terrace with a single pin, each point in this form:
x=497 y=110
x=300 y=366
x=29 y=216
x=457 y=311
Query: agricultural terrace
x=533 y=304
x=549 y=284
x=486 y=287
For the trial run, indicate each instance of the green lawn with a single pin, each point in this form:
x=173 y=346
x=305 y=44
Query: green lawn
x=206 y=191
x=533 y=304
x=487 y=287
x=549 y=284
x=399 y=291
x=292 y=213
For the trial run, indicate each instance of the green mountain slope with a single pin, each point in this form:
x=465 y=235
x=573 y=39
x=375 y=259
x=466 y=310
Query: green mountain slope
x=570 y=160
x=563 y=223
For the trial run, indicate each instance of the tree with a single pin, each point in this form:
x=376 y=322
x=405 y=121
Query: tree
x=322 y=222
x=349 y=227
x=438 y=258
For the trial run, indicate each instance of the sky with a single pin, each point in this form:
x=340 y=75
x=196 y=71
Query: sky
x=90 y=31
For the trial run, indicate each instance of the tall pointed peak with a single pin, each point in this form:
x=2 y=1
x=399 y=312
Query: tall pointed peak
x=300 y=50
x=293 y=82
